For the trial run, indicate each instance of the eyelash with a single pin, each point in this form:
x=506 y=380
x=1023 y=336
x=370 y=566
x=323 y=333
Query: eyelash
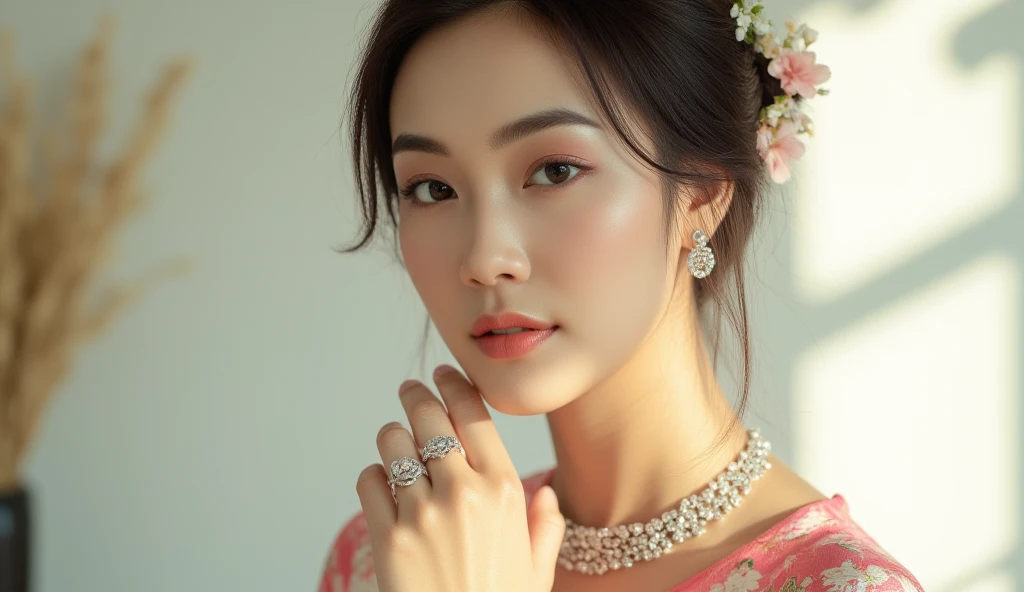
x=408 y=190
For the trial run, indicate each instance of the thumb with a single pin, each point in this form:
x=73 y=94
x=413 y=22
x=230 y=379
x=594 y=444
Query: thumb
x=547 y=527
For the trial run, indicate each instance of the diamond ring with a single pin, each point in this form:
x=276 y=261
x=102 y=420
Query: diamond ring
x=440 y=446
x=405 y=471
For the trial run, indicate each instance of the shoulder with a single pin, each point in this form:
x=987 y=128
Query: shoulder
x=818 y=548
x=349 y=563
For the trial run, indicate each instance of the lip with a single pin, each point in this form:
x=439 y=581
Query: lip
x=516 y=345
x=503 y=347
x=509 y=320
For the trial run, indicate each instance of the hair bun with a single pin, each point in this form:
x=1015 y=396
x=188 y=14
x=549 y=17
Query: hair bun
x=789 y=75
x=771 y=86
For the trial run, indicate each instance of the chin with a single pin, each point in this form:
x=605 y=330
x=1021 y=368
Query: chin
x=524 y=389
x=521 y=402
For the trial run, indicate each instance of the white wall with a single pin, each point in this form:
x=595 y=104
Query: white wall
x=211 y=439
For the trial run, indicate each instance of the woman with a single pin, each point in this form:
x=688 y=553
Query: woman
x=573 y=184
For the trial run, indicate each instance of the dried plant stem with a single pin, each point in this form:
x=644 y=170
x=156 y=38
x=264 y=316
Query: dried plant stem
x=58 y=218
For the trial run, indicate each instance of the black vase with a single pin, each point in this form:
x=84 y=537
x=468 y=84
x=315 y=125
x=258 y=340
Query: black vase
x=14 y=541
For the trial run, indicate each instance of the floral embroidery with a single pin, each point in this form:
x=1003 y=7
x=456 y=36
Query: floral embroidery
x=786 y=564
x=906 y=585
x=813 y=540
x=363 y=576
x=792 y=586
x=742 y=579
x=801 y=528
x=848 y=578
x=811 y=521
x=843 y=541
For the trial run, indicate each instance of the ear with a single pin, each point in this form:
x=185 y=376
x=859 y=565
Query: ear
x=705 y=208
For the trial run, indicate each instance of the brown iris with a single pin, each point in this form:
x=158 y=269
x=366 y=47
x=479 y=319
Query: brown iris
x=557 y=172
x=439 y=191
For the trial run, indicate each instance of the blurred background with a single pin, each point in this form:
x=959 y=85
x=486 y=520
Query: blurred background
x=211 y=438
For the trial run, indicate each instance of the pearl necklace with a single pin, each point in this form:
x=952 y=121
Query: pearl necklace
x=593 y=551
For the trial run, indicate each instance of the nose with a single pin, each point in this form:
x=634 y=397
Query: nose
x=495 y=251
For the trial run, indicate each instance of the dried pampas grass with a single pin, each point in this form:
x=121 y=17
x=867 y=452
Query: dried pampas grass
x=59 y=211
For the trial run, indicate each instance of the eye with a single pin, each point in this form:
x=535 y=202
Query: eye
x=554 y=173
x=426 y=192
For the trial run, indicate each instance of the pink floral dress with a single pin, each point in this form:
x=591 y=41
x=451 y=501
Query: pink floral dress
x=817 y=548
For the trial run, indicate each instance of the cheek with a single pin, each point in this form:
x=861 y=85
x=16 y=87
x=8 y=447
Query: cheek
x=427 y=255
x=609 y=261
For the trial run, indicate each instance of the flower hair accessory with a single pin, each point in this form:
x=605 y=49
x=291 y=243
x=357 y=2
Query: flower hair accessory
x=795 y=67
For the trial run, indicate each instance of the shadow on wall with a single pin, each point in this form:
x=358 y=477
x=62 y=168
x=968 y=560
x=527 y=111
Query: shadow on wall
x=907 y=259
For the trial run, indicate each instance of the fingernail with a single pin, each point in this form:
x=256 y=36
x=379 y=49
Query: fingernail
x=443 y=369
x=407 y=385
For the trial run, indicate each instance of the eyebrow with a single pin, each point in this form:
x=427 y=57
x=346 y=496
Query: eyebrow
x=512 y=132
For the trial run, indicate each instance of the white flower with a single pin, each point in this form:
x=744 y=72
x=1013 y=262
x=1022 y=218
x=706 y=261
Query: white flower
x=814 y=519
x=742 y=579
x=839 y=539
x=803 y=122
x=769 y=46
x=785 y=107
x=773 y=113
x=875 y=575
x=839 y=579
x=747 y=20
x=809 y=34
x=363 y=578
x=799 y=36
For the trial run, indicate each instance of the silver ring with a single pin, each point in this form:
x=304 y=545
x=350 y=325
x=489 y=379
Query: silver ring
x=405 y=471
x=440 y=446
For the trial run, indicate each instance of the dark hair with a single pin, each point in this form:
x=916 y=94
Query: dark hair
x=675 y=64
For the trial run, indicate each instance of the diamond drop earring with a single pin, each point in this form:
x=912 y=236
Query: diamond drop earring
x=701 y=260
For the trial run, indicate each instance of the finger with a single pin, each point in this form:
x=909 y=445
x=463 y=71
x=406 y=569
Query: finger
x=547 y=529
x=472 y=422
x=375 y=498
x=428 y=419
x=395 y=442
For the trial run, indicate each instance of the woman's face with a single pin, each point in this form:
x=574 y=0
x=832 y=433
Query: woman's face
x=554 y=219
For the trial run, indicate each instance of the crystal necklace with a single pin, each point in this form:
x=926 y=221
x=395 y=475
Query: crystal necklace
x=593 y=551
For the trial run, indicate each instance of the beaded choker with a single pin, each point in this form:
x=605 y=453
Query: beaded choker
x=594 y=551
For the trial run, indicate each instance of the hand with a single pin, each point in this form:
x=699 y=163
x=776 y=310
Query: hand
x=466 y=527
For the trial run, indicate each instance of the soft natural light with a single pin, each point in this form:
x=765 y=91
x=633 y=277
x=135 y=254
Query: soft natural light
x=998 y=582
x=911 y=147
x=914 y=149
x=927 y=385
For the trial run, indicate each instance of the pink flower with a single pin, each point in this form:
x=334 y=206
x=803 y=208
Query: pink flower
x=778 y=147
x=798 y=72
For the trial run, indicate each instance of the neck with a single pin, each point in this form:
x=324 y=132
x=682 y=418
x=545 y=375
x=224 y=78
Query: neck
x=656 y=431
